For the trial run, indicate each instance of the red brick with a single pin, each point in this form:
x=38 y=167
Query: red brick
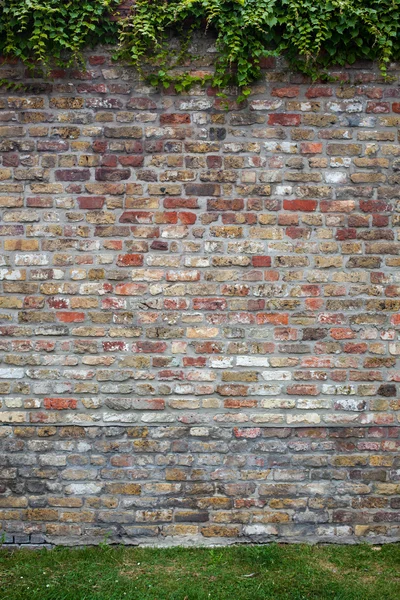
x=194 y=361
x=214 y=162
x=109 y=160
x=180 y=203
x=311 y=148
x=300 y=205
x=284 y=119
x=130 y=289
x=321 y=91
x=60 y=403
x=131 y=216
x=91 y=202
x=131 y=161
x=174 y=118
x=342 y=333
x=346 y=234
x=286 y=92
x=261 y=261
x=130 y=260
x=355 y=348
x=274 y=319
x=72 y=174
x=267 y=62
x=378 y=107
x=70 y=317
x=109 y=174
x=39 y=202
x=97 y=60
x=115 y=346
x=248 y=432
x=209 y=303
x=187 y=218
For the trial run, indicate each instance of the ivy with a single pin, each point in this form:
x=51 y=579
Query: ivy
x=313 y=35
x=54 y=31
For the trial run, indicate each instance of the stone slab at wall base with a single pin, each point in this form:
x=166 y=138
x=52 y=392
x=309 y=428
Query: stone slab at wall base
x=182 y=486
x=187 y=286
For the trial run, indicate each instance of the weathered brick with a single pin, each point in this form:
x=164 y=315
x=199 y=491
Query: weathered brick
x=200 y=306
x=284 y=119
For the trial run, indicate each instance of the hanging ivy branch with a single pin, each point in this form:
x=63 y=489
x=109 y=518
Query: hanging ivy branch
x=312 y=35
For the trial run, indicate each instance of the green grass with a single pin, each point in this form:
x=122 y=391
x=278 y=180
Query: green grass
x=274 y=572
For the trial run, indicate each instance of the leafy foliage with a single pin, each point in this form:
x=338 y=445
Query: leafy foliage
x=44 y=31
x=312 y=34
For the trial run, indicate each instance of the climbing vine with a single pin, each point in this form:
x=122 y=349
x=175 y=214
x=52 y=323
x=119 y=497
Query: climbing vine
x=158 y=35
x=49 y=32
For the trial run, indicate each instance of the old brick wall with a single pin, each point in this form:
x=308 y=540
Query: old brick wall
x=199 y=309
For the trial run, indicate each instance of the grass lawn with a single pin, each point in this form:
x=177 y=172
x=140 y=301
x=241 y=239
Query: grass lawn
x=274 y=572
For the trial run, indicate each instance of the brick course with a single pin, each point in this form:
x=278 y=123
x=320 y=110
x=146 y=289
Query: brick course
x=187 y=286
x=199 y=485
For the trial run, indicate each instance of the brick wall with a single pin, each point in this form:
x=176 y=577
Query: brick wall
x=199 y=309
